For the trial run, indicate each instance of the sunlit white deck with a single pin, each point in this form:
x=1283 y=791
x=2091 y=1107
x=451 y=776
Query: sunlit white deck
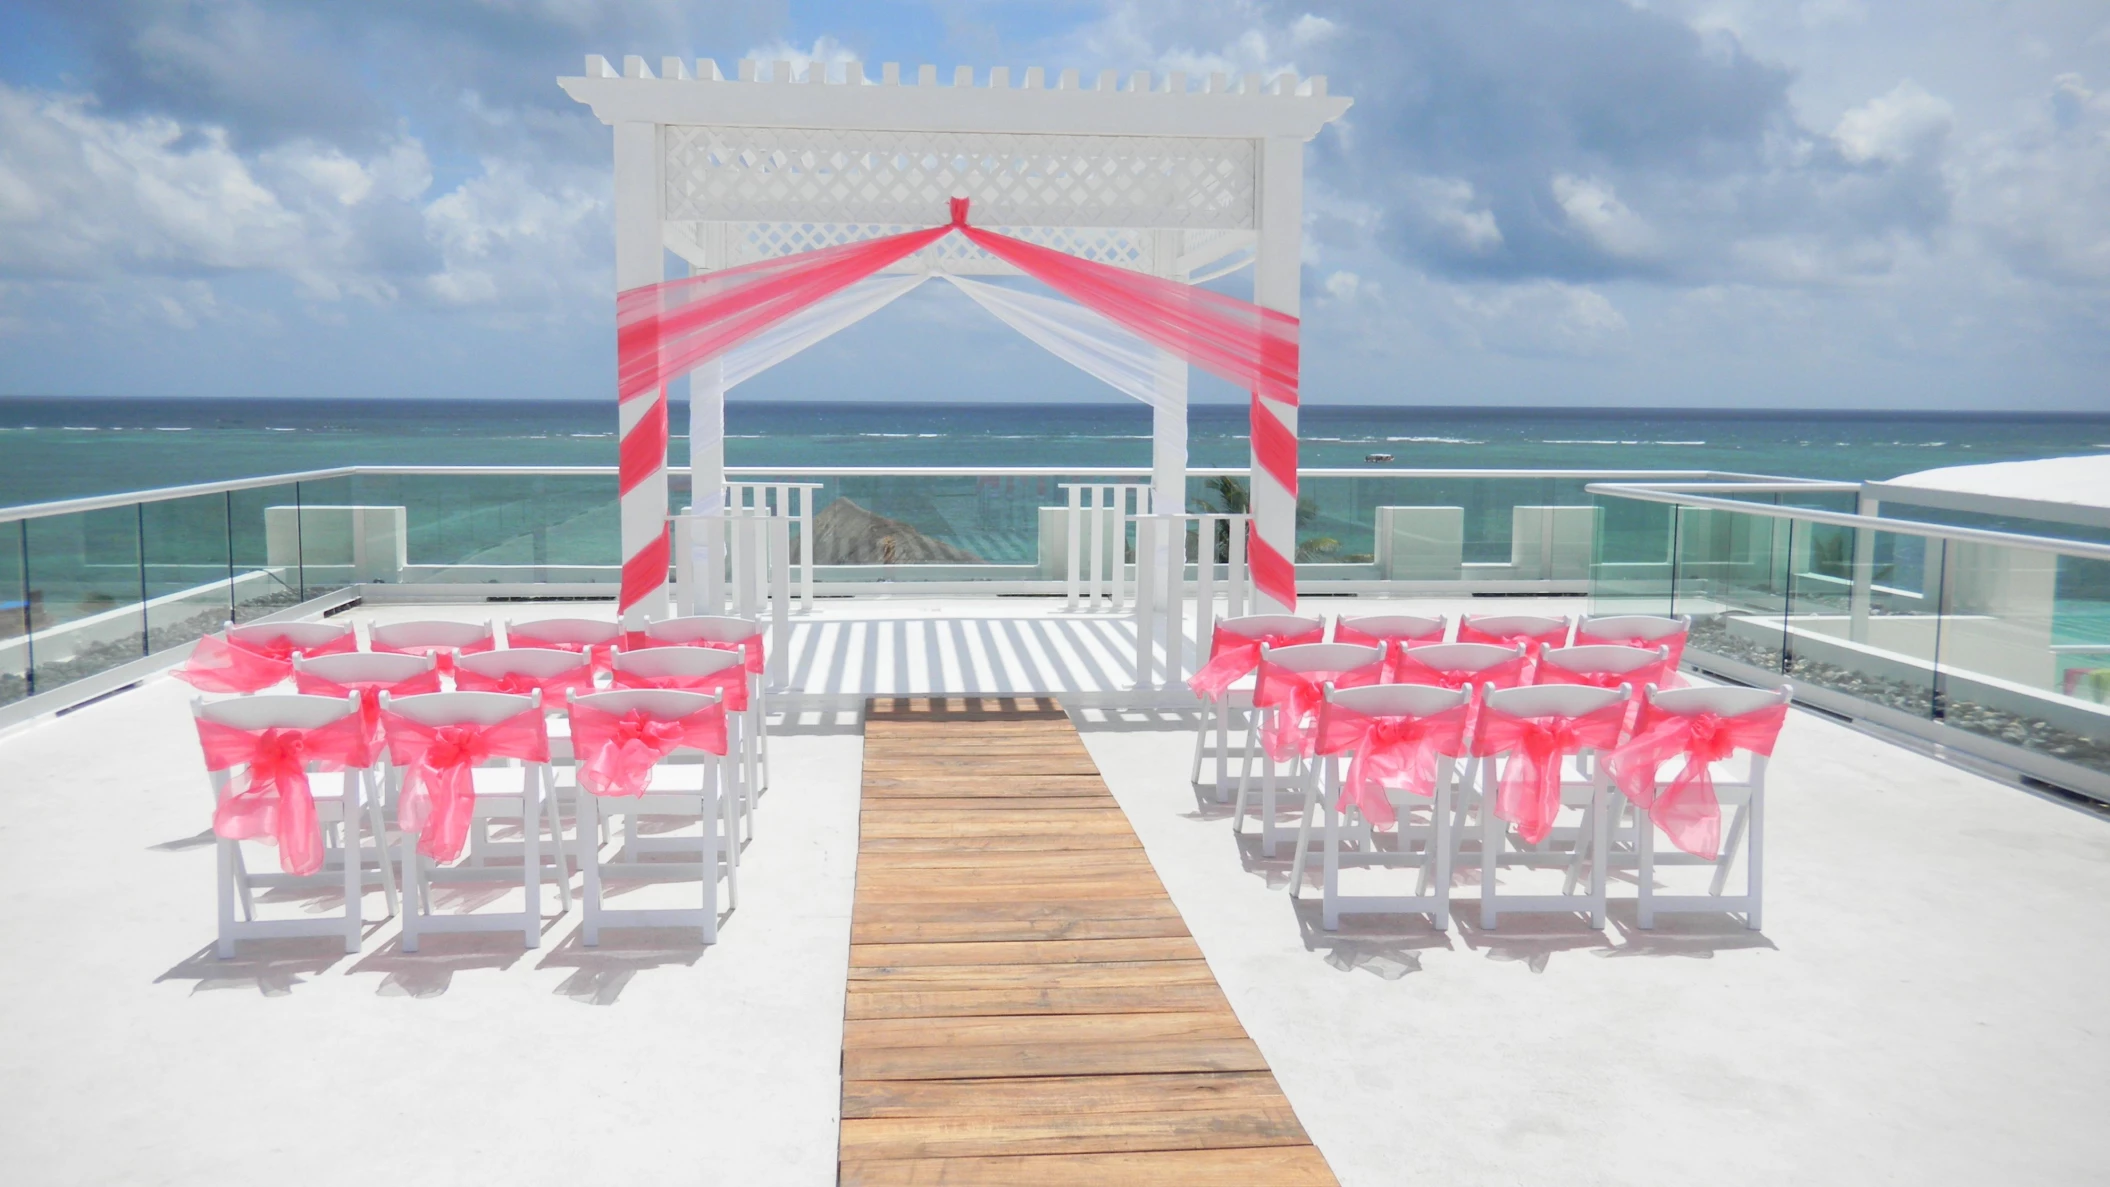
x=1923 y=1005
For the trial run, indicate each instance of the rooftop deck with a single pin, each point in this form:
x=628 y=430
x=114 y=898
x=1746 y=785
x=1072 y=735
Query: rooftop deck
x=1921 y=1006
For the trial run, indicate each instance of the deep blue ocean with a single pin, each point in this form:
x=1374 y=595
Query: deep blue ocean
x=63 y=448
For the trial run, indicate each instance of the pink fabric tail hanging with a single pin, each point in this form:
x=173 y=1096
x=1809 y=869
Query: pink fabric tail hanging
x=271 y=798
x=666 y=330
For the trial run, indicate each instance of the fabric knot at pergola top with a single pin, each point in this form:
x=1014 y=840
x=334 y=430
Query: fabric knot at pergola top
x=668 y=329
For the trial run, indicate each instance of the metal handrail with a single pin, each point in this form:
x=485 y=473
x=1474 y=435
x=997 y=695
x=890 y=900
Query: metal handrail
x=736 y=473
x=1903 y=527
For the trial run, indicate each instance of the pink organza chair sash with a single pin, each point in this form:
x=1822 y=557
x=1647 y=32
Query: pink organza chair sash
x=369 y=699
x=1296 y=697
x=1232 y=656
x=750 y=648
x=439 y=783
x=617 y=752
x=443 y=654
x=728 y=683
x=1662 y=675
x=1390 y=752
x=1406 y=668
x=221 y=664
x=1675 y=642
x=1688 y=811
x=552 y=688
x=601 y=655
x=1530 y=793
x=1532 y=644
x=271 y=799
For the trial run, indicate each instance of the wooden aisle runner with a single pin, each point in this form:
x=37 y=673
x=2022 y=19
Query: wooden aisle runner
x=1025 y=1005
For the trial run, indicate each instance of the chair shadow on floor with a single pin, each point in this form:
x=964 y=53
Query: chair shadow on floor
x=1387 y=946
x=273 y=967
x=429 y=972
x=600 y=974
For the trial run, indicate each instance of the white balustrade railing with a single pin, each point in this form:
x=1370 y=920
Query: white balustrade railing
x=1167 y=651
x=793 y=500
x=739 y=563
x=1096 y=523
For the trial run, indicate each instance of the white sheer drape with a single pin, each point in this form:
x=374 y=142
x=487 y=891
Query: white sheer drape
x=1083 y=339
x=820 y=320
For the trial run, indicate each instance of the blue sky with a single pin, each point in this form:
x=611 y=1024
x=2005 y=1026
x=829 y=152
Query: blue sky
x=1743 y=203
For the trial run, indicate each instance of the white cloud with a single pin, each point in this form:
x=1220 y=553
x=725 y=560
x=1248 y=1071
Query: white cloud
x=1454 y=209
x=826 y=50
x=1893 y=128
x=1542 y=317
x=1594 y=210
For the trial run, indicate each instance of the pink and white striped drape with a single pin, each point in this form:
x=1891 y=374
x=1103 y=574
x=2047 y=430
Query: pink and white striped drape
x=665 y=330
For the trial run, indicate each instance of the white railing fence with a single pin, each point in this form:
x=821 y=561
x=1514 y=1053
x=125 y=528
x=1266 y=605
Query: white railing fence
x=1096 y=551
x=737 y=562
x=792 y=500
x=1175 y=613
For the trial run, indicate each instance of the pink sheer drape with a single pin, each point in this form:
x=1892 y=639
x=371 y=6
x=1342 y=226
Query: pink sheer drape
x=1687 y=811
x=270 y=798
x=617 y=752
x=439 y=783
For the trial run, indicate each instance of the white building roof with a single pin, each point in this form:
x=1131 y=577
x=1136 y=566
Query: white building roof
x=2059 y=489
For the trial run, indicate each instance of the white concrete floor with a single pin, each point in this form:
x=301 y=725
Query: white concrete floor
x=1922 y=1007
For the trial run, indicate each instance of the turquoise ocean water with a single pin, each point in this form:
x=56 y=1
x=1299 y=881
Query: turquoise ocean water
x=63 y=448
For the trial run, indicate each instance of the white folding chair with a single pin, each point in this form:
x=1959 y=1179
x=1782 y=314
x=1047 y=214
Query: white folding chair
x=1746 y=827
x=669 y=794
x=564 y=634
x=1642 y=630
x=1505 y=629
x=526 y=666
x=434 y=634
x=1302 y=659
x=1406 y=629
x=344 y=862
x=355 y=670
x=1250 y=626
x=506 y=789
x=1585 y=842
x=1432 y=894
x=727 y=629
x=679 y=667
x=303 y=636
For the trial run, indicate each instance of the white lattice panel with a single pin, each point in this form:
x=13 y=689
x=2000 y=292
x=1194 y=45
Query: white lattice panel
x=1123 y=247
x=852 y=178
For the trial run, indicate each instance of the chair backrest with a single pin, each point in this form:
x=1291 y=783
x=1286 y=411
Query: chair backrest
x=1633 y=626
x=1322 y=657
x=1464 y=657
x=542 y=663
x=299 y=634
x=578 y=632
x=1507 y=625
x=705 y=628
x=1721 y=701
x=1554 y=700
x=1254 y=625
x=267 y=711
x=688 y=662
x=432 y=632
x=1393 y=626
x=461 y=708
x=364 y=667
x=1609 y=659
x=1400 y=700
x=660 y=704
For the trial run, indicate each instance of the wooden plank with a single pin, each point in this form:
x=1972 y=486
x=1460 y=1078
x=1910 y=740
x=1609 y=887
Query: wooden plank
x=1053 y=1059
x=1112 y=999
x=1273 y=1166
x=1025 y=952
x=1024 y=1004
x=1057 y=1095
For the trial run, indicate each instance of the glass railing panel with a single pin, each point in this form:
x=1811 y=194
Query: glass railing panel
x=1731 y=575
x=188 y=578
x=1630 y=572
x=18 y=616
x=265 y=549
x=335 y=538
x=485 y=528
x=1851 y=631
x=84 y=577
x=2025 y=650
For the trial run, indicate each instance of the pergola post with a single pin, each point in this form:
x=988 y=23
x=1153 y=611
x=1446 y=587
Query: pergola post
x=640 y=260
x=1277 y=275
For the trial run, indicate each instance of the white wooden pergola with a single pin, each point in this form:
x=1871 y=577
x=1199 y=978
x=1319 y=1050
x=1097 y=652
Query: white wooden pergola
x=1184 y=179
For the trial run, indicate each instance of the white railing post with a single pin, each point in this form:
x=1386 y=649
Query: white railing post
x=1146 y=607
x=1204 y=583
x=1098 y=565
x=807 y=490
x=1073 y=528
x=1238 y=578
x=779 y=527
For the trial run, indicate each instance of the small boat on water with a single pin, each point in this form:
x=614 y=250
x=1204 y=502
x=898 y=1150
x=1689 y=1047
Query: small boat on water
x=1377 y=457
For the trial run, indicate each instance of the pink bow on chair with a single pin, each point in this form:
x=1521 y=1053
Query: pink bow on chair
x=1675 y=642
x=1232 y=655
x=1296 y=697
x=221 y=664
x=749 y=647
x=1532 y=644
x=1663 y=674
x=273 y=798
x=369 y=699
x=552 y=688
x=1688 y=811
x=1530 y=793
x=439 y=786
x=730 y=684
x=1390 y=752
x=617 y=753
x=443 y=655
x=600 y=655
x=1407 y=668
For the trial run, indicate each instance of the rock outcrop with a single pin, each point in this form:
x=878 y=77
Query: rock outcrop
x=847 y=534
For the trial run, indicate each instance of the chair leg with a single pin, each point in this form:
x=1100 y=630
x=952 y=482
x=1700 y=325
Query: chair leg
x=240 y=876
x=1727 y=857
x=1303 y=846
x=1223 y=748
x=225 y=861
x=379 y=824
x=1645 y=870
x=732 y=842
x=1754 y=865
x=1490 y=853
x=1440 y=850
x=531 y=857
x=415 y=907
x=556 y=842
x=1245 y=771
x=1201 y=735
x=713 y=838
x=1600 y=840
x=1330 y=869
x=354 y=866
x=1267 y=806
x=588 y=822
